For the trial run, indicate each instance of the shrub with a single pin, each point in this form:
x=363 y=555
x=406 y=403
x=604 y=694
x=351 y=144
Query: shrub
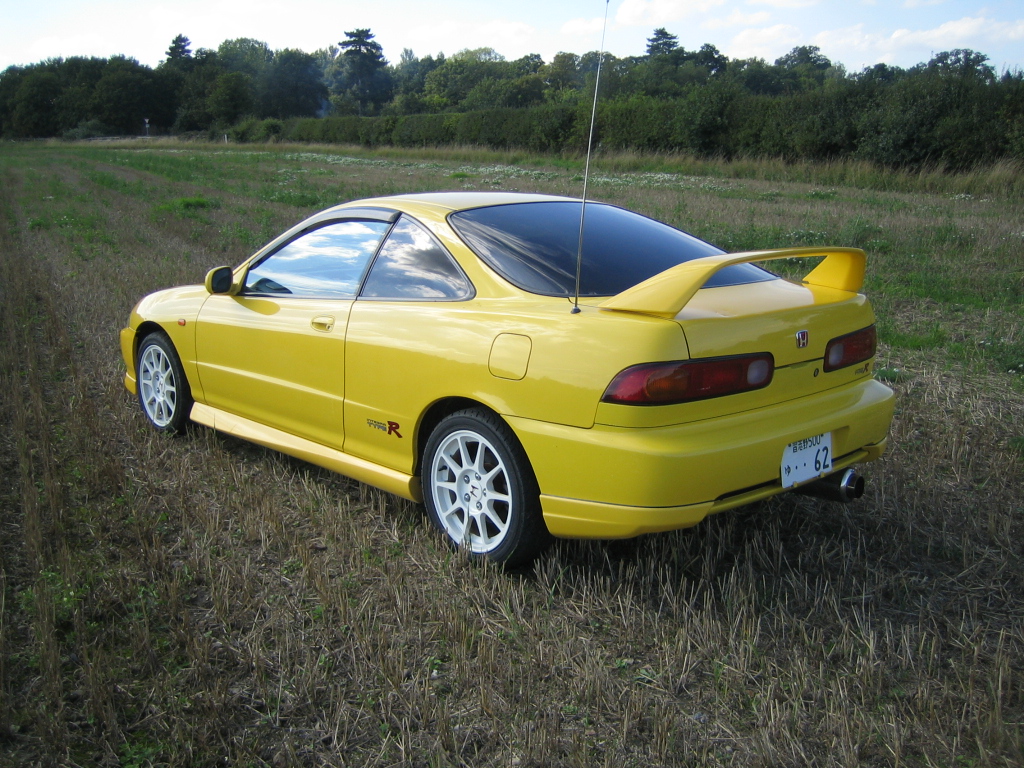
x=87 y=129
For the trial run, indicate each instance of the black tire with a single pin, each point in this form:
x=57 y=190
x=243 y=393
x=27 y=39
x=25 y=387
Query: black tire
x=164 y=393
x=480 y=491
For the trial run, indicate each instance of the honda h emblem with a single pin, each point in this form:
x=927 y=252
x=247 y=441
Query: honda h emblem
x=802 y=338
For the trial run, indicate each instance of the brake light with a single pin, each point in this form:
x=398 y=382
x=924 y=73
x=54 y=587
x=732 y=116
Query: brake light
x=682 y=381
x=850 y=349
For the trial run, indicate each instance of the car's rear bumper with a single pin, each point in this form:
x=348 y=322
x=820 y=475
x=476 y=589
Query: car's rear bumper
x=614 y=482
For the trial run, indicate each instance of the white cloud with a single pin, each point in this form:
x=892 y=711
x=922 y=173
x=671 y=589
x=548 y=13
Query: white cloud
x=785 y=3
x=88 y=43
x=653 y=12
x=850 y=38
x=504 y=36
x=855 y=32
x=968 y=32
x=962 y=31
x=952 y=33
x=764 y=43
x=738 y=19
x=1010 y=30
x=582 y=27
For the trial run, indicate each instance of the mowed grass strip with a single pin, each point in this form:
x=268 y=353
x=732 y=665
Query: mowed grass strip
x=201 y=601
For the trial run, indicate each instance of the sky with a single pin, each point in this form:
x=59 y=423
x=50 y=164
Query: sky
x=855 y=33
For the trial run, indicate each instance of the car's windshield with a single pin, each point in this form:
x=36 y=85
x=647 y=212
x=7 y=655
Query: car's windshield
x=534 y=246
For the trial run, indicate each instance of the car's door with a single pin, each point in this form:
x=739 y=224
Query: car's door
x=404 y=331
x=275 y=352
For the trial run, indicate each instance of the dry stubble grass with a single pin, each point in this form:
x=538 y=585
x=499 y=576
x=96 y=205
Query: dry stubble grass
x=202 y=601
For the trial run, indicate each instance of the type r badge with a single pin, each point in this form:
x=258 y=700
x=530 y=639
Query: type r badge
x=802 y=337
x=389 y=427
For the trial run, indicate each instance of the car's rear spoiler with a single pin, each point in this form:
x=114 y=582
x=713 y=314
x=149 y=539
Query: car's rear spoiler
x=668 y=292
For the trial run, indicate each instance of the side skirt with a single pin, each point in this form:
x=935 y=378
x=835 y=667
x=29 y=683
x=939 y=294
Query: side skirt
x=392 y=481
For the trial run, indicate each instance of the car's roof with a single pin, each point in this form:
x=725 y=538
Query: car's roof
x=446 y=202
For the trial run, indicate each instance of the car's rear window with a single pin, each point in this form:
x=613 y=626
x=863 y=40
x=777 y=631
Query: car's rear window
x=534 y=246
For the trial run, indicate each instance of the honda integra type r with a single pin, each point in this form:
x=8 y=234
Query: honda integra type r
x=431 y=345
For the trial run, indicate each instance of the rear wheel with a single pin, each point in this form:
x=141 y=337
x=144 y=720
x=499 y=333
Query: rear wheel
x=479 y=488
x=164 y=393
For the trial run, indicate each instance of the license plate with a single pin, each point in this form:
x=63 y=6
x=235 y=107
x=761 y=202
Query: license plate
x=806 y=459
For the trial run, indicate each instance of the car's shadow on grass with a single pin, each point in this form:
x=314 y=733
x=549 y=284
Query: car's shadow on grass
x=789 y=551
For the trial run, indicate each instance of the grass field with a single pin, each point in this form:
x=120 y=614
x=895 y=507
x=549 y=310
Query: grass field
x=201 y=601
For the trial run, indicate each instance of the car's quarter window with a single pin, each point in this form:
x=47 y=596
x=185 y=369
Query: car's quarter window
x=534 y=245
x=413 y=265
x=327 y=262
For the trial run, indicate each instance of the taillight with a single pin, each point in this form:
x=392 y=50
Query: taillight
x=850 y=349
x=681 y=381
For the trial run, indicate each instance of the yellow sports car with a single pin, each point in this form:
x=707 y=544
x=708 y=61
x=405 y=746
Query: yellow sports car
x=526 y=367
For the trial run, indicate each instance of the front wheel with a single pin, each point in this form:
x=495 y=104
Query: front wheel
x=479 y=488
x=164 y=393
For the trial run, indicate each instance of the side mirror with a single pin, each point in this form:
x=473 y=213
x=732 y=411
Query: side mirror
x=218 y=280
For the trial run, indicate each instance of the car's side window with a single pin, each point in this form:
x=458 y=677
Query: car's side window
x=327 y=262
x=413 y=265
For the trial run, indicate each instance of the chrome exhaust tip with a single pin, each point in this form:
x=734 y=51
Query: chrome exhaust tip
x=844 y=486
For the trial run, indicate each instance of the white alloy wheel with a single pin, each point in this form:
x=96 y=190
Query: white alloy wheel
x=471 y=491
x=164 y=393
x=480 y=490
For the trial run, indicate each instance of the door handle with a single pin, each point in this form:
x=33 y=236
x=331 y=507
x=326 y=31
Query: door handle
x=323 y=324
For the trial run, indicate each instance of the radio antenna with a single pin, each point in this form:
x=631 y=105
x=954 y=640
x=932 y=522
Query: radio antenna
x=586 y=168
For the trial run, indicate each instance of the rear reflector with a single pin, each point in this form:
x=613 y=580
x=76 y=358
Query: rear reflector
x=682 y=381
x=850 y=349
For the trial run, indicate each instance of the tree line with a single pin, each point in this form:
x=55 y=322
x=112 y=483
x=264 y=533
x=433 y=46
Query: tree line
x=954 y=110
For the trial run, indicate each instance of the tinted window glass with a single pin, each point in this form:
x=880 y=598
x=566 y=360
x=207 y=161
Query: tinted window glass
x=412 y=265
x=534 y=246
x=327 y=262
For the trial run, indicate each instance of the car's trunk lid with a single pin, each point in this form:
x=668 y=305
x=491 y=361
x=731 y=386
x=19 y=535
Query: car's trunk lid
x=792 y=321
